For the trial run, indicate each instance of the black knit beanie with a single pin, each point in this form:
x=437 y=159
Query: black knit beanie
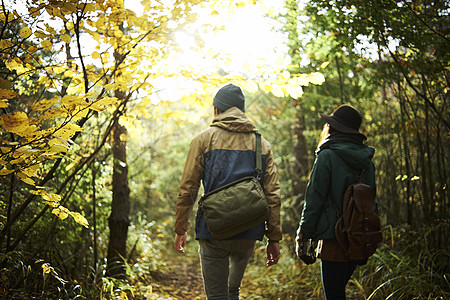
x=229 y=96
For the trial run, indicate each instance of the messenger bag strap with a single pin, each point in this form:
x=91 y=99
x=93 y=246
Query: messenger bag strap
x=258 y=156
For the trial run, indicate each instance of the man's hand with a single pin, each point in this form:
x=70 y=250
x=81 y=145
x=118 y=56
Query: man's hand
x=180 y=243
x=273 y=253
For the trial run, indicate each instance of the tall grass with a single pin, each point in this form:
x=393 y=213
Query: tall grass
x=289 y=279
x=391 y=274
x=405 y=267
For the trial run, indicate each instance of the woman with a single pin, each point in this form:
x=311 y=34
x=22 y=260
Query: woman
x=340 y=152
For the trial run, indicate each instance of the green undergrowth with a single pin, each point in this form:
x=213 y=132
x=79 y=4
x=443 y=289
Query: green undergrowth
x=410 y=264
x=404 y=267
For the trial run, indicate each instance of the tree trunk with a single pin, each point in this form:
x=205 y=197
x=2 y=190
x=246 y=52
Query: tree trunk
x=120 y=207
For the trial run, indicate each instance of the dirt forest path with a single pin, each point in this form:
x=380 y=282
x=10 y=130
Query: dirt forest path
x=181 y=280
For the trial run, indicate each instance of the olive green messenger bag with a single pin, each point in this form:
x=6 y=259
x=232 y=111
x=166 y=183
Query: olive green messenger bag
x=237 y=206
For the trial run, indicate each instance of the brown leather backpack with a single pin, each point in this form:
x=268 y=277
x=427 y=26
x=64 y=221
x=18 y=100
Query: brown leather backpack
x=358 y=229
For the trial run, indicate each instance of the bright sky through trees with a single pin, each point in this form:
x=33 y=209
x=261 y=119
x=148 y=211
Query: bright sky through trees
x=233 y=38
x=246 y=42
x=230 y=39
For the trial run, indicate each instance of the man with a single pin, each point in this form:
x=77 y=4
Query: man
x=218 y=155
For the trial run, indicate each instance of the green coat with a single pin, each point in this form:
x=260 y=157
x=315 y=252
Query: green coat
x=330 y=175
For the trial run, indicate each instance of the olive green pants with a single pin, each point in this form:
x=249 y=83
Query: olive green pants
x=223 y=264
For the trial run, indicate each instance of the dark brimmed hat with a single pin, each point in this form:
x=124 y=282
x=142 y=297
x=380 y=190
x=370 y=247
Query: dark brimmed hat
x=344 y=119
x=229 y=96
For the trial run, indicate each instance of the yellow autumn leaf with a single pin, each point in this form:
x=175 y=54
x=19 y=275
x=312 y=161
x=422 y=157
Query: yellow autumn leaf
x=47 y=44
x=66 y=38
x=100 y=24
x=16 y=123
x=45 y=104
x=4 y=172
x=67 y=131
x=118 y=33
x=52 y=199
x=68 y=8
x=267 y=88
x=15 y=65
x=69 y=101
x=70 y=26
x=95 y=55
x=191 y=17
x=25 y=32
x=58 y=145
x=316 y=78
x=105 y=101
x=111 y=86
x=31 y=171
x=40 y=34
x=81 y=112
x=4 y=44
x=3 y=104
x=20 y=159
x=28 y=180
x=25 y=178
x=32 y=49
x=44 y=80
x=324 y=64
x=46 y=268
x=80 y=219
x=95 y=107
x=61 y=212
x=50 y=29
x=58 y=70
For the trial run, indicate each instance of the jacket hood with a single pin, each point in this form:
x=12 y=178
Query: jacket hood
x=358 y=156
x=233 y=119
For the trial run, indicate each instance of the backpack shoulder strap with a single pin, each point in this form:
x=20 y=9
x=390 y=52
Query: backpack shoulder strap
x=258 y=156
x=358 y=175
x=357 y=172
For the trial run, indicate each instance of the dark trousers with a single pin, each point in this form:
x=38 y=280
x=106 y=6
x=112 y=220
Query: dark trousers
x=335 y=276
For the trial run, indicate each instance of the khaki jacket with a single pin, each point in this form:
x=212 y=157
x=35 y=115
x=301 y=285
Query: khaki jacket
x=218 y=155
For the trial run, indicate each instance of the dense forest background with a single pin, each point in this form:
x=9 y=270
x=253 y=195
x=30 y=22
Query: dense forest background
x=98 y=107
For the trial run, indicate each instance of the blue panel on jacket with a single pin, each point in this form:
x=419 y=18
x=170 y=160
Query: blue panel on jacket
x=222 y=167
x=225 y=166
